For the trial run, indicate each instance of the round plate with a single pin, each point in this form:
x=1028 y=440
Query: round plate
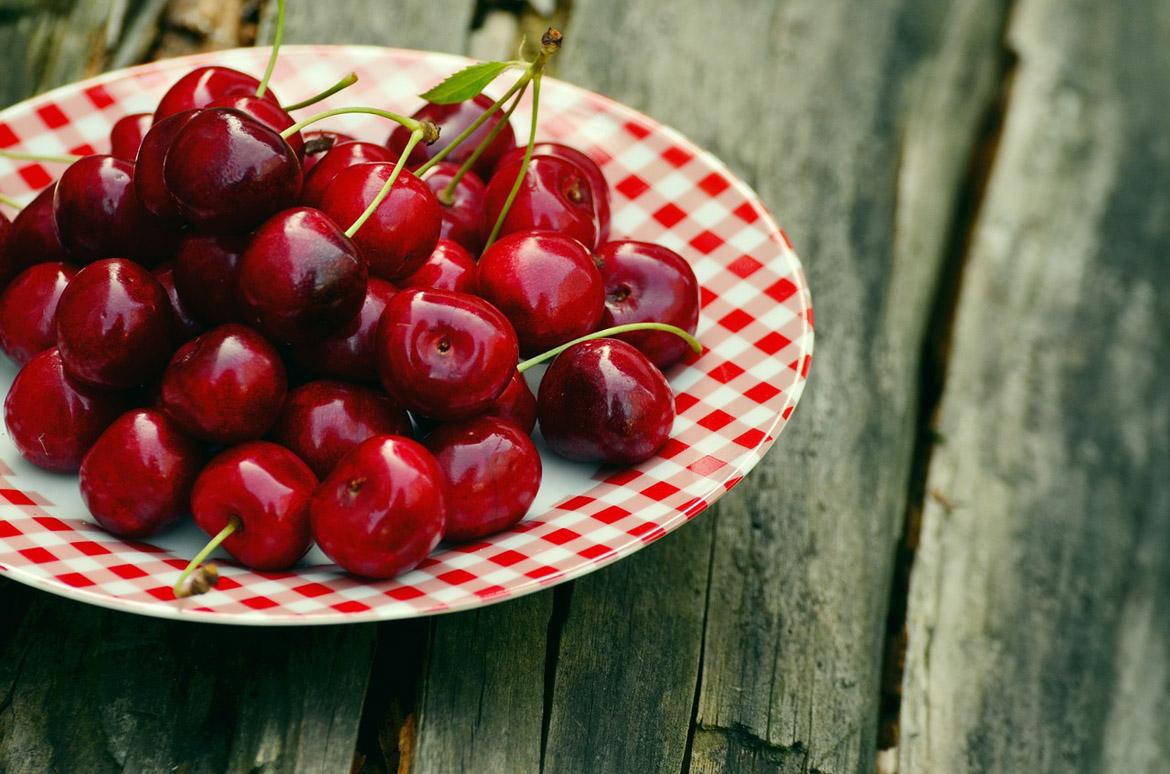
x=732 y=402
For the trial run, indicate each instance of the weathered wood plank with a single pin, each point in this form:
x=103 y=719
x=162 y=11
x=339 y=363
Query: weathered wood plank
x=431 y=26
x=1039 y=621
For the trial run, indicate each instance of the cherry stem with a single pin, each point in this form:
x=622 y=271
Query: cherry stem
x=409 y=123
x=459 y=138
x=447 y=195
x=523 y=165
x=45 y=157
x=614 y=331
x=415 y=138
x=8 y=200
x=180 y=587
x=276 y=39
x=344 y=83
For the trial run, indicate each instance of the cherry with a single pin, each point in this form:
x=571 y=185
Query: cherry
x=452 y=120
x=266 y=112
x=28 y=310
x=342 y=156
x=34 y=237
x=597 y=183
x=604 y=401
x=380 y=512
x=150 y=183
x=204 y=85
x=449 y=267
x=318 y=142
x=229 y=172
x=127 y=133
x=225 y=386
x=546 y=284
x=516 y=404
x=348 y=354
x=263 y=489
x=184 y=324
x=136 y=479
x=322 y=421
x=464 y=220
x=402 y=232
x=492 y=471
x=555 y=196
x=53 y=420
x=301 y=276
x=206 y=275
x=114 y=324
x=8 y=267
x=646 y=282
x=443 y=354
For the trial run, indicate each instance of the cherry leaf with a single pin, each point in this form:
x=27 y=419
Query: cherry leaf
x=466 y=83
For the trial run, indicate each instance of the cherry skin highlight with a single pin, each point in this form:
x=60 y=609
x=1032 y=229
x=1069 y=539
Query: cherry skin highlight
x=28 y=310
x=464 y=218
x=603 y=401
x=329 y=164
x=266 y=112
x=449 y=267
x=348 y=354
x=34 y=237
x=204 y=85
x=452 y=120
x=597 y=183
x=554 y=196
x=184 y=324
x=267 y=488
x=136 y=479
x=127 y=133
x=381 y=510
x=207 y=276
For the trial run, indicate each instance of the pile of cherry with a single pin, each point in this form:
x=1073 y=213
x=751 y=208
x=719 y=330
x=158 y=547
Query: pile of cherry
x=231 y=318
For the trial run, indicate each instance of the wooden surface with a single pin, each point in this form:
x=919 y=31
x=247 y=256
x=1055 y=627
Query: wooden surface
x=992 y=503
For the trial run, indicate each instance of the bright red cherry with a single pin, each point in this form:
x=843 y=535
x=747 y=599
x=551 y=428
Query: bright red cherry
x=516 y=404
x=206 y=275
x=225 y=386
x=28 y=310
x=266 y=112
x=492 y=471
x=136 y=479
x=34 y=237
x=229 y=172
x=380 y=512
x=322 y=421
x=645 y=282
x=452 y=120
x=449 y=267
x=267 y=489
x=597 y=183
x=555 y=196
x=204 y=85
x=444 y=354
x=546 y=284
x=114 y=324
x=53 y=420
x=150 y=184
x=318 y=142
x=300 y=276
x=464 y=220
x=342 y=156
x=348 y=354
x=127 y=133
x=186 y=327
x=603 y=401
x=401 y=233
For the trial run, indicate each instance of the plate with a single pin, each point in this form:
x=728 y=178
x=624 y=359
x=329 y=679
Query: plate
x=732 y=401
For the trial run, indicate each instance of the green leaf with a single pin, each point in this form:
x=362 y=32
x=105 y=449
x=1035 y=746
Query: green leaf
x=466 y=83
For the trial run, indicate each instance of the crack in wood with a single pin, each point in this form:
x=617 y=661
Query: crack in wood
x=562 y=599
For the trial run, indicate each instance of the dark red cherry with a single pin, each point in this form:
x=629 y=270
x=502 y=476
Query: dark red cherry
x=322 y=421
x=452 y=120
x=597 y=183
x=645 y=282
x=516 y=404
x=464 y=220
x=150 y=183
x=225 y=386
x=136 y=479
x=185 y=326
x=229 y=172
x=267 y=489
x=380 y=512
x=99 y=216
x=114 y=325
x=53 y=420
x=401 y=233
x=349 y=353
x=300 y=277
x=206 y=275
x=34 y=237
x=8 y=268
x=449 y=267
x=318 y=142
x=555 y=196
x=204 y=85
x=28 y=310
x=443 y=354
x=266 y=112
x=127 y=133
x=343 y=156
x=492 y=471
x=603 y=401
x=546 y=284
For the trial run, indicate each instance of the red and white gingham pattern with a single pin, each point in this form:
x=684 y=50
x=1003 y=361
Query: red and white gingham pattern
x=732 y=401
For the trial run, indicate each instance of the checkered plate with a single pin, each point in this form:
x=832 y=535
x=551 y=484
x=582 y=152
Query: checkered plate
x=732 y=401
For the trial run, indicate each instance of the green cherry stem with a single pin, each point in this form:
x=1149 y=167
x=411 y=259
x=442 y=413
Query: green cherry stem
x=43 y=157
x=8 y=200
x=180 y=587
x=349 y=80
x=409 y=123
x=520 y=83
x=523 y=165
x=415 y=137
x=607 y=332
x=447 y=195
x=276 y=40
